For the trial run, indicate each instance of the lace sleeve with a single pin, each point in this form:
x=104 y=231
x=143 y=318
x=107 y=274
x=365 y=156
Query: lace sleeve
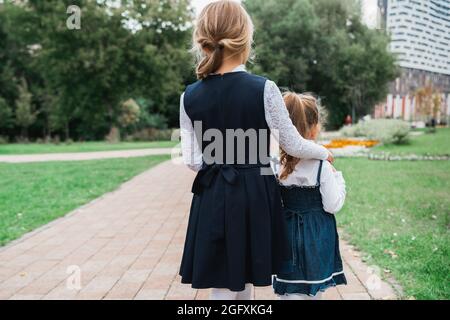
x=283 y=130
x=192 y=154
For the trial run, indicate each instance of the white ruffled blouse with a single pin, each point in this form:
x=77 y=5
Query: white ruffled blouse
x=278 y=121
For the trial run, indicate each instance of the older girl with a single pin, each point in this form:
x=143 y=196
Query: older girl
x=236 y=235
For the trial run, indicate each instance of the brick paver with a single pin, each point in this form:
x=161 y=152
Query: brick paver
x=128 y=245
x=79 y=156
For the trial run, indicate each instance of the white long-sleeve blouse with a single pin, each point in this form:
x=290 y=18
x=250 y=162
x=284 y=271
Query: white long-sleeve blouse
x=277 y=118
x=332 y=183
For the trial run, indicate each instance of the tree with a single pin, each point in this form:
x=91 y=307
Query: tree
x=111 y=59
x=6 y=115
x=79 y=78
x=16 y=37
x=25 y=112
x=322 y=46
x=428 y=102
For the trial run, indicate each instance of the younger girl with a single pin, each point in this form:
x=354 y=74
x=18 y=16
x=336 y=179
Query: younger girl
x=312 y=191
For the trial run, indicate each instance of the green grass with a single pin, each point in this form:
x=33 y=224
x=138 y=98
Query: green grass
x=34 y=194
x=402 y=207
x=428 y=143
x=35 y=148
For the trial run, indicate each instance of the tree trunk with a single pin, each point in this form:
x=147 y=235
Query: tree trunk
x=114 y=131
x=24 y=133
x=353 y=113
x=67 y=131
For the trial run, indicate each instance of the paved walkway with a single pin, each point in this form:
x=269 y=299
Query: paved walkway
x=127 y=245
x=79 y=156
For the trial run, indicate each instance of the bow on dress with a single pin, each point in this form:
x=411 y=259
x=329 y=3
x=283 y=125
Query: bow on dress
x=222 y=176
x=208 y=172
x=295 y=232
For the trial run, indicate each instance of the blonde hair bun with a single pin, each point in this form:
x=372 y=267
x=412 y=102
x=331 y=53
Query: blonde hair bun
x=221 y=26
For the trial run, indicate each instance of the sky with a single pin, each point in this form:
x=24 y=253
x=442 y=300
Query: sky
x=199 y=4
x=369 y=10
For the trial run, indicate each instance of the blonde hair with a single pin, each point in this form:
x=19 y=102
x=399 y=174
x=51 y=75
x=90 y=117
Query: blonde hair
x=304 y=113
x=221 y=26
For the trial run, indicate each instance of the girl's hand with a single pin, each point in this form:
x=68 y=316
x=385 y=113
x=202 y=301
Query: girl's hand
x=330 y=158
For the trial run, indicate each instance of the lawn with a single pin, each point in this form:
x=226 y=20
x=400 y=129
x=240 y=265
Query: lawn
x=34 y=148
x=398 y=214
x=34 y=194
x=427 y=143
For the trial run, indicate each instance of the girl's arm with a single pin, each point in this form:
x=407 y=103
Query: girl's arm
x=332 y=188
x=290 y=140
x=192 y=154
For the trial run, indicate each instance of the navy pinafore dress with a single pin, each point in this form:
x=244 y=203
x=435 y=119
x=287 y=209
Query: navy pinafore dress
x=315 y=262
x=236 y=231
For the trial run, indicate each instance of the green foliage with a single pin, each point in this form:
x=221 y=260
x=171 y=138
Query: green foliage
x=322 y=46
x=6 y=115
x=388 y=131
x=25 y=112
x=139 y=50
x=79 y=78
x=150 y=117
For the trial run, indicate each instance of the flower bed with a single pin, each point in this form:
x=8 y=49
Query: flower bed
x=341 y=143
x=408 y=157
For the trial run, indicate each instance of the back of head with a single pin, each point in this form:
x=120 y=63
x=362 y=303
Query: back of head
x=304 y=113
x=222 y=28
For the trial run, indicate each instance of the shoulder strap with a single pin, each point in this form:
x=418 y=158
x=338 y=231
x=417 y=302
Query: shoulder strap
x=319 y=172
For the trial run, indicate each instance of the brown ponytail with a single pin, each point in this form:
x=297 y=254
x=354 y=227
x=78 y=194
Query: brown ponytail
x=222 y=27
x=304 y=113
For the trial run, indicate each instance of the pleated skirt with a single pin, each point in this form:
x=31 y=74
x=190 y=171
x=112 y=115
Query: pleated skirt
x=236 y=233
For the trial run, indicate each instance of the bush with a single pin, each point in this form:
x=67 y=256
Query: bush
x=154 y=120
x=150 y=134
x=4 y=140
x=130 y=113
x=357 y=130
x=387 y=131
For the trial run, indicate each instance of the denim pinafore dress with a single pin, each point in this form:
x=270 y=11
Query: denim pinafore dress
x=315 y=262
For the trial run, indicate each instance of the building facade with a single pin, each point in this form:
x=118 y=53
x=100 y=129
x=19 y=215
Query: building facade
x=420 y=38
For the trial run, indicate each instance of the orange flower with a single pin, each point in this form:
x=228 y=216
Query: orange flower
x=341 y=143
